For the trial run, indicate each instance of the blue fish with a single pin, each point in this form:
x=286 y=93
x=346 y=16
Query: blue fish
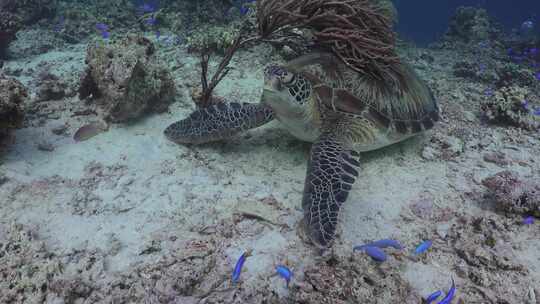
x=450 y=295
x=60 y=25
x=146 y=8
x=101 y=27
x=529 y=220
x=432 y=297
x=178 y=40
x=423 y=247
x=375 y=253
x=244 y=10
x=238 y=266
x=285 y=273
x=381 y=244
x=105 y=34
x=537 y=75
x=151 y=21
x=527 y=25
x=536 y=112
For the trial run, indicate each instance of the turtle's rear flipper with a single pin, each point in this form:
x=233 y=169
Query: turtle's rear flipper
x=218 y=122
x=330 y=175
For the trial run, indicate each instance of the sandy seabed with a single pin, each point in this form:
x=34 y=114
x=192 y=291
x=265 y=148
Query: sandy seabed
x=129 y=217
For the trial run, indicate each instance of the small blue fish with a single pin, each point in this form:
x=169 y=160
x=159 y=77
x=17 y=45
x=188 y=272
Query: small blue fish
x=537 y=75
x=60 y=25
x=146 y=8
x=375 y=253
x=510 y=51
x=432 y=297
x=178 y=40
x=450 y=295
x=423 y=247
x=151 y=21
x=525 y=104
x=244 y=10
x=101 y=27
x=285 y=273
x=527 y=25
x=238 y=266
x=381 y=244
x=536 y=112
x=529 y=220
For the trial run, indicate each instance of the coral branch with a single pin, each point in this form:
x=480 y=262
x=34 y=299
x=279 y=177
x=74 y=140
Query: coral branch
x=222 y=70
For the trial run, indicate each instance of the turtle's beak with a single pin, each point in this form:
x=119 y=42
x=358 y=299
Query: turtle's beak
x=273 y=83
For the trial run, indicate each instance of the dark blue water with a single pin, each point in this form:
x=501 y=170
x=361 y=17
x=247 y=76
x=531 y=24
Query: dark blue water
x=425 y=21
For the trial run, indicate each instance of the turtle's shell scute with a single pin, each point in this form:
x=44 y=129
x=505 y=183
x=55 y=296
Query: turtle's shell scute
x=403 y=103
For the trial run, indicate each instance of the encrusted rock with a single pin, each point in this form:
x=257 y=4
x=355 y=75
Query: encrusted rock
x=126 y=79
x=50 y=88
x=513 y=194
x=12 y=96
x=513 y=106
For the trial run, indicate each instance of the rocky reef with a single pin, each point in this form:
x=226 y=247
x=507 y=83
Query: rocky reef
x=125 y=79
x=12 y=97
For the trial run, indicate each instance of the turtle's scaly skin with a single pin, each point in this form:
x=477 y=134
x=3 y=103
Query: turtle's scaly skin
x=342 y=112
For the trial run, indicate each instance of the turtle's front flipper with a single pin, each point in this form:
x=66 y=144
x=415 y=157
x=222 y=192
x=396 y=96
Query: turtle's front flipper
x=330 y=174
x=218 y=122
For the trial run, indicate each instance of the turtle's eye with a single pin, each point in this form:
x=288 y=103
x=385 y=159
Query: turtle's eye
x=288 y=79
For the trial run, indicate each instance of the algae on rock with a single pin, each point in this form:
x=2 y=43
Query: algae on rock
x=126 y=79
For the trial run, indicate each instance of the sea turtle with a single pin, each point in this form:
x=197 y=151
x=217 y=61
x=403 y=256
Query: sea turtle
x=342 y=112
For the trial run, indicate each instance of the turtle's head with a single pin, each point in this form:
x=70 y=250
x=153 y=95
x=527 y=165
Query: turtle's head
x=285 y=88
